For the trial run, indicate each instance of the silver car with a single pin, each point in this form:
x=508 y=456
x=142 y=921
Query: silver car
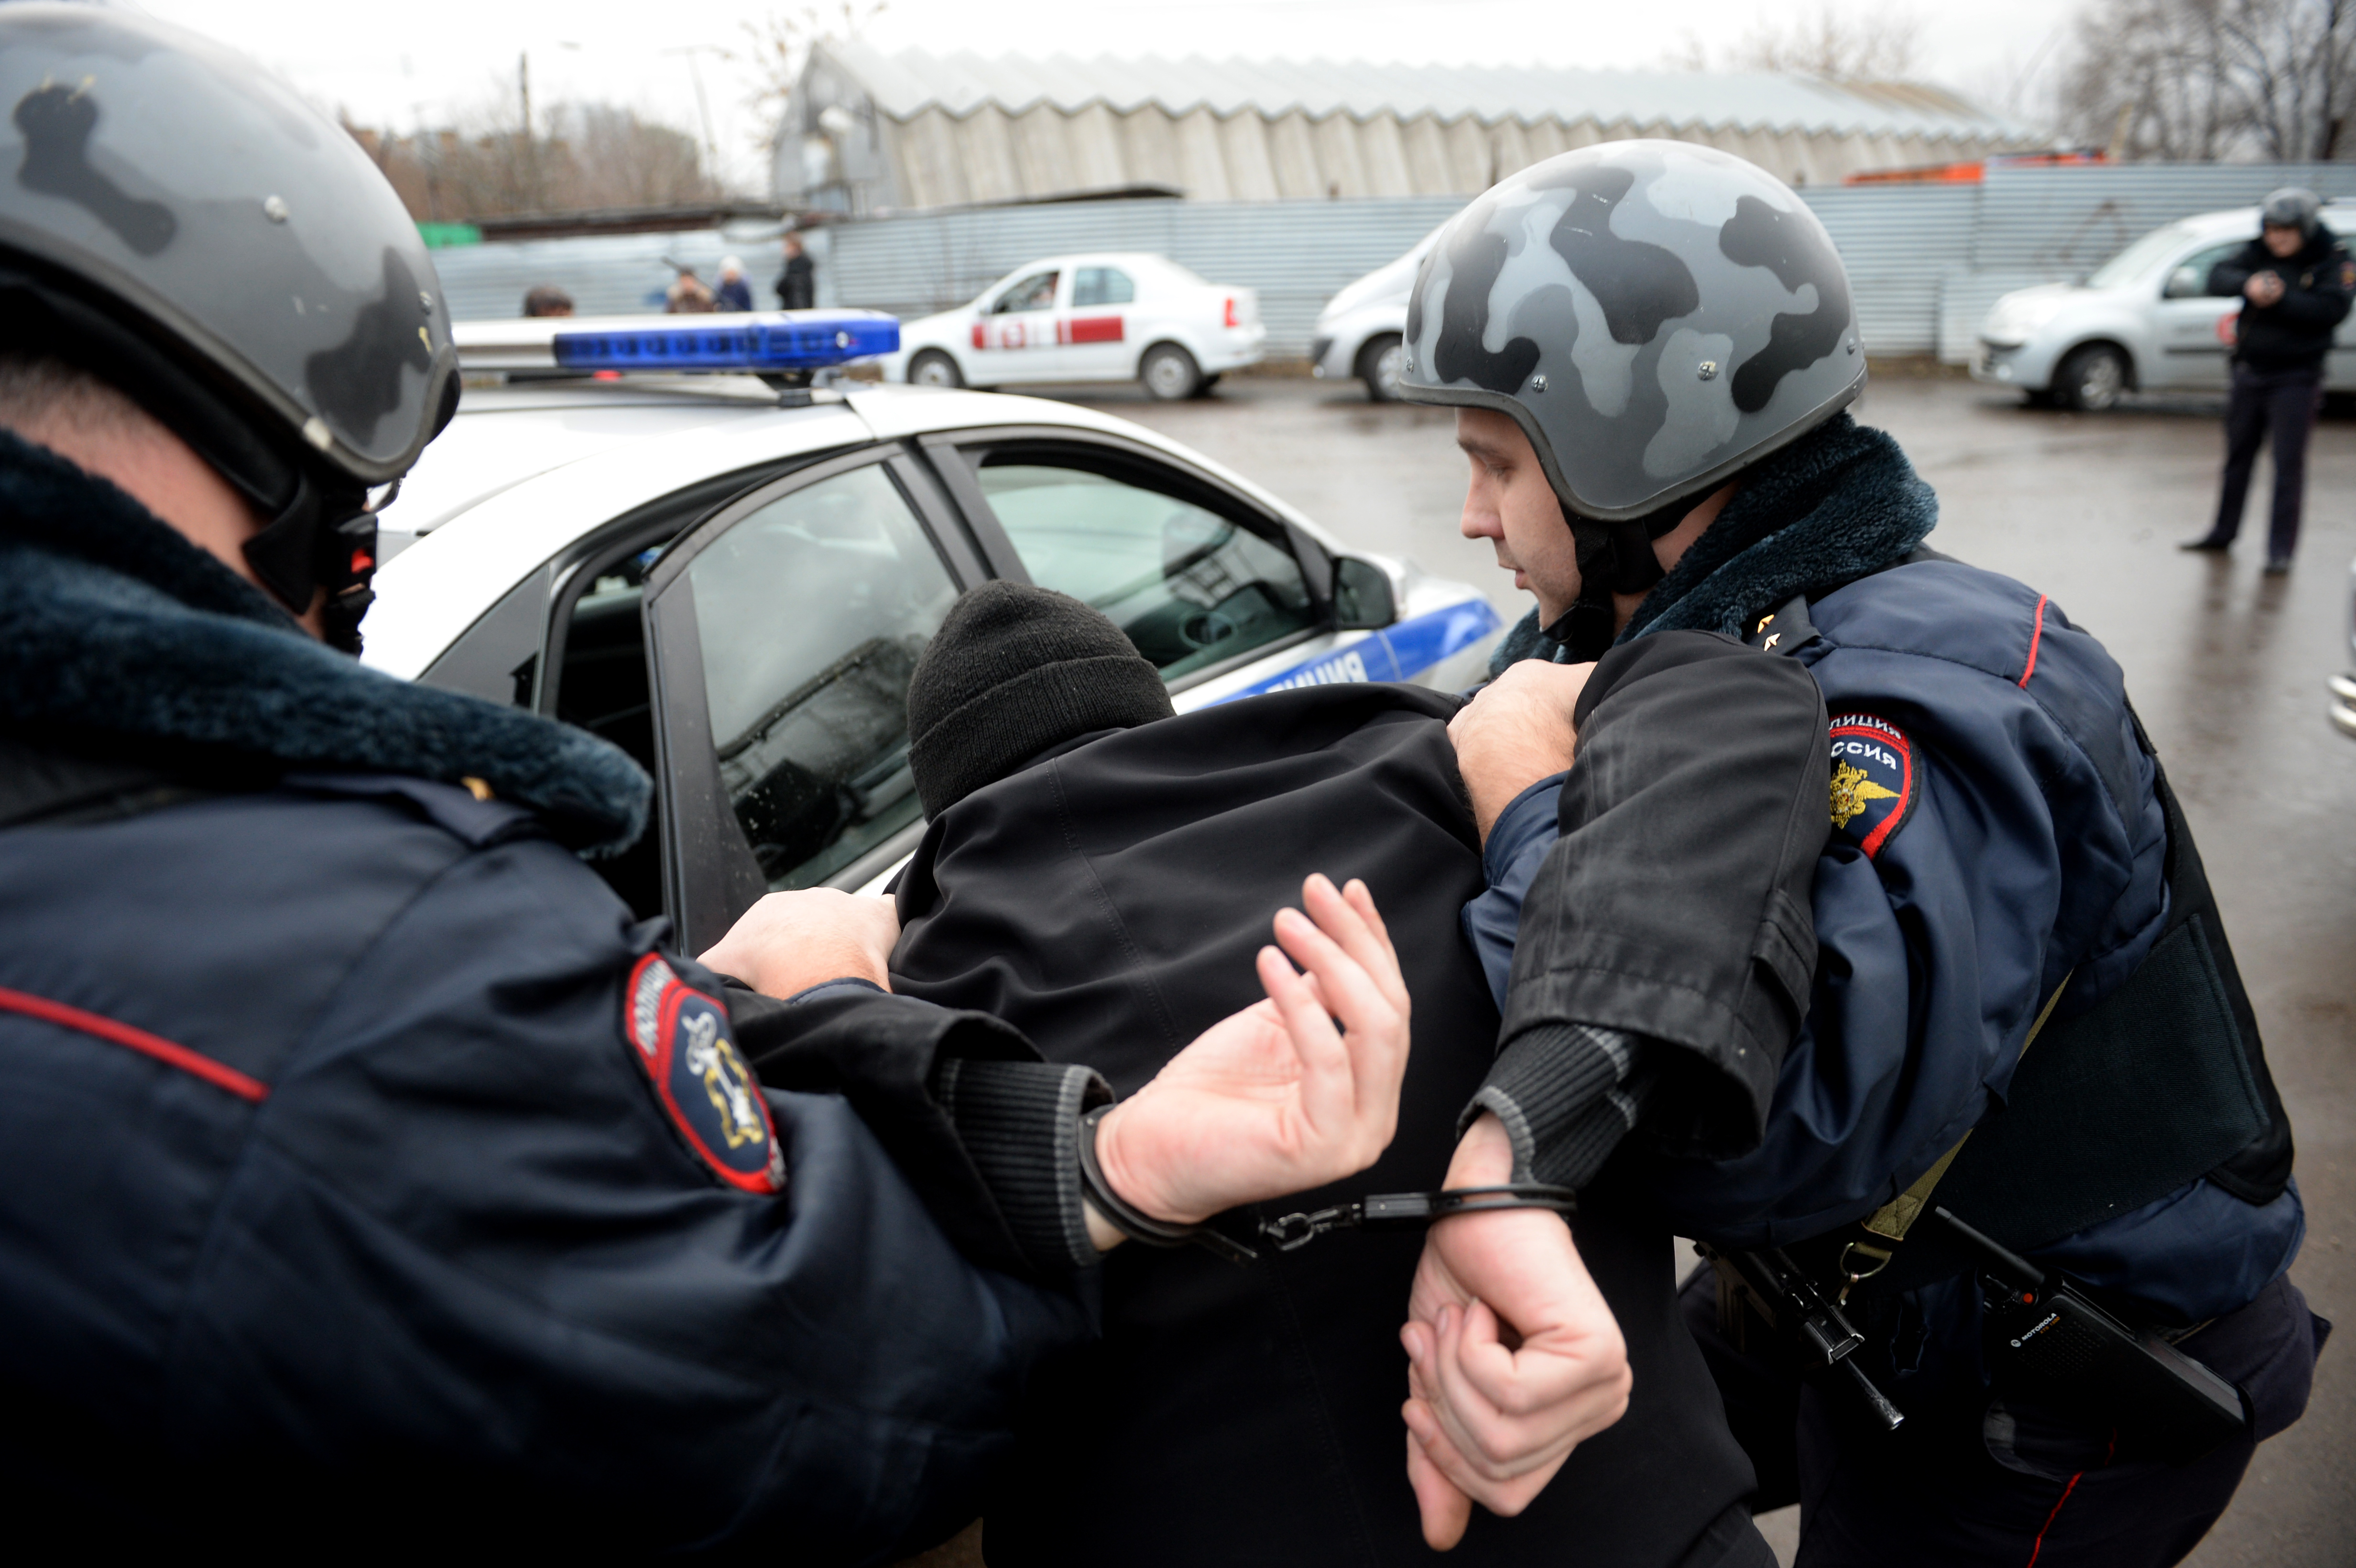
x=1361 y=330
x=2143 y=321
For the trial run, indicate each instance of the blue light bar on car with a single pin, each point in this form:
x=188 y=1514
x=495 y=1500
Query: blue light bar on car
x=777 y=340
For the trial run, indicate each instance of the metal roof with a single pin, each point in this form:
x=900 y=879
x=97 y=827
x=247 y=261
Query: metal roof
x=904 y=85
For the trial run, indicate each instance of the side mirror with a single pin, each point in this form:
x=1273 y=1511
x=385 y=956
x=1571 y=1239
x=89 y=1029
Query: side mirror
x=1361 y=595
x=2184 y=283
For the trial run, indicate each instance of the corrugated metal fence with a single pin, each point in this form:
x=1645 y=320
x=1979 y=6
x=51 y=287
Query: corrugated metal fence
x=1926 y=260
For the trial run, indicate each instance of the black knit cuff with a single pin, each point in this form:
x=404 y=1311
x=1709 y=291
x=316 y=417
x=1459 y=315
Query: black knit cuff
x=1567 y=1095
x=1019 y=1122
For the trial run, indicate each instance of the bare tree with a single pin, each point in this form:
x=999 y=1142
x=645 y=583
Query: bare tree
x=2213 y=78
x=777 y=45
x=578 y=157
x=1865 y=44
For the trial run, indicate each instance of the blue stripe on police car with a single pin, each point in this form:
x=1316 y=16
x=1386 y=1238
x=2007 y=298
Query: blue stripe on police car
x=1400 y=652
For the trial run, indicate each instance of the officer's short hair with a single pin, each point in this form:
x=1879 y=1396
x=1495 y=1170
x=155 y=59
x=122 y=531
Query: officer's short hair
x=39 y=389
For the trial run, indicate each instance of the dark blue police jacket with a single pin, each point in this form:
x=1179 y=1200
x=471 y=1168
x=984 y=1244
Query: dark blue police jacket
x=362 y=1158
x=1994 y=829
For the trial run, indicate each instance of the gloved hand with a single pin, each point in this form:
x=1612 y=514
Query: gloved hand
x=1274 y=1099
x=1514 y=1356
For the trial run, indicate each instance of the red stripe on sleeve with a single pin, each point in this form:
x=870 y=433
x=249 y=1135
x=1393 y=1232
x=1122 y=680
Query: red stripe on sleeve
x=217 y=1074
x=2036 y=635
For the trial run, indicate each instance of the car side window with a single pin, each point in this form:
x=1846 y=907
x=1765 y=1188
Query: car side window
x=1037 y=292
x=810 y=613
x=1189 y=586
x=1101 y=286
x=2190 y=278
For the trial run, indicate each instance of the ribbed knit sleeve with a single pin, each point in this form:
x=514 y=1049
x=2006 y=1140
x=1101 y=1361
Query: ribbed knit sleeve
x=1019 y=1121
x=1567 y=1095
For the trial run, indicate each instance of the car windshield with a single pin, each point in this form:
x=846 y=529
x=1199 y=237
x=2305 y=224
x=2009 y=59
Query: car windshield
x=2138 y=257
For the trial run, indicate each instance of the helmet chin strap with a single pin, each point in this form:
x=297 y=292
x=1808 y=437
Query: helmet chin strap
x=1613 y=557
x=320 y=541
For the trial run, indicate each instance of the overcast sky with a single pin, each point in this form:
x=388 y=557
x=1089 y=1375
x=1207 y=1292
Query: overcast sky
x=416 y=62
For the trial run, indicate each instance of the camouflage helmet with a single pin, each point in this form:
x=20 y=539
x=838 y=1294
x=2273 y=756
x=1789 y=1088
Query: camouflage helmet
x=1656 y=316
x=178 y=222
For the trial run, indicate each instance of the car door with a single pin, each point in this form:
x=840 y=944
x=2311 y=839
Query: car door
x=2194 y=327
x=781 y=634
x=1099 y=344
x=1200 y=578
x=1015 y=336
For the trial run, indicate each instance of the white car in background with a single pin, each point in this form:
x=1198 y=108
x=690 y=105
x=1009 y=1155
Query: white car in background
x=1362 y=331
x=1123 y=316
x=2143 y=321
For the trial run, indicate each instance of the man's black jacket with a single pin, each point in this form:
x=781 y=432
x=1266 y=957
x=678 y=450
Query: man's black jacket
x=1108 y=902
x=2295 y=332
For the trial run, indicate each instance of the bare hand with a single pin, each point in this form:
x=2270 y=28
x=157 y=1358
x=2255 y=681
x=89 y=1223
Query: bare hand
x=2263 y=288
x=1274 y=1100
x=789 y=942
x=1491 y=1418
x=1516 y=731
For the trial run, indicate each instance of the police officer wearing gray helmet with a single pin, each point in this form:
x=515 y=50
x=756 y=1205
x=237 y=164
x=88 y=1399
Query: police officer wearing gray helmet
x=367 y=1169
x=2295 y=280
x=2024 y=1013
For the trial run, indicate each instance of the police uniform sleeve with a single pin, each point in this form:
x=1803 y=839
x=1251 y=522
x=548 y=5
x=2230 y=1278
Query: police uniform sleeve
x=2317 y=296
x=2231 y=275
x=523 y=1229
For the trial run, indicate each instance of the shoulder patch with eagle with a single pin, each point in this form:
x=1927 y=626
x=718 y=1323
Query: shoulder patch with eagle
x=1874 y=780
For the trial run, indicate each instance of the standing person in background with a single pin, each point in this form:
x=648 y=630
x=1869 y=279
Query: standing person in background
x=2295 y=279
x=797 y=285
x=547 y=299
x=735 y=293
x=688 y=295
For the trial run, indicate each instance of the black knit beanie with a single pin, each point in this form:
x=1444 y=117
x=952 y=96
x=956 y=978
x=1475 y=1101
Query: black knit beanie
x=1013 y=671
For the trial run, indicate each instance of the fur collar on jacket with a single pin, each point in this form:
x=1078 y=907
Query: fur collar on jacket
x=1840 y=502
x=116 y=628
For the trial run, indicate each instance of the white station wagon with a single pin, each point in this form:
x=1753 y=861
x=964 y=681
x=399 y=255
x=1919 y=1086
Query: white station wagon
x=733 y=581
x=2143 y=321
x=1121 y=316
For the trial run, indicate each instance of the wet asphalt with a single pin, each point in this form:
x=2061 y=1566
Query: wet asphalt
x=2225 y=665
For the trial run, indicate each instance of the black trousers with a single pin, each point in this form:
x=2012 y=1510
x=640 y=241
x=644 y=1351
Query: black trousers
x=2283 y=402
x=2001 y=1484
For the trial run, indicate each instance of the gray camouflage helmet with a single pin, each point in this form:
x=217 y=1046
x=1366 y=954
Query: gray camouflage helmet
x=1656 y=316
x=2292 y=207
x=198 y=205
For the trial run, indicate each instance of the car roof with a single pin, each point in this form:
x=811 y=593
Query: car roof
x=532 y=468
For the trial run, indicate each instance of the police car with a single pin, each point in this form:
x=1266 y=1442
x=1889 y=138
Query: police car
x=731 y=577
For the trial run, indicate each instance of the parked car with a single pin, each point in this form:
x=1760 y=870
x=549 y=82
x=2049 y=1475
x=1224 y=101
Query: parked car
x=2143 y=321
x=1361 y=330
x=1116 y=317
x=2343 y=685
x=735 y=592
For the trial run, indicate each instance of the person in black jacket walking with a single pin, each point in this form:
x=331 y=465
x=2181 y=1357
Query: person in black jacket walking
x=2295 y=279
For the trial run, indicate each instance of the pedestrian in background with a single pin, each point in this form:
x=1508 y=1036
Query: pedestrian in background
x=547 y=299
x=797 y=285
x=734 y=293
x=689 y=295
x=2295 y=279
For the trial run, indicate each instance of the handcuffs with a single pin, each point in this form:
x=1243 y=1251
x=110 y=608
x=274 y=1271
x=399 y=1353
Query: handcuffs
x=1290 y=1232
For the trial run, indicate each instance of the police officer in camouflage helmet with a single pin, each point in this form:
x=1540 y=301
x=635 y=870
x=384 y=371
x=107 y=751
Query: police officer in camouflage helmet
x=1651 y=347
x=1655 y=316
